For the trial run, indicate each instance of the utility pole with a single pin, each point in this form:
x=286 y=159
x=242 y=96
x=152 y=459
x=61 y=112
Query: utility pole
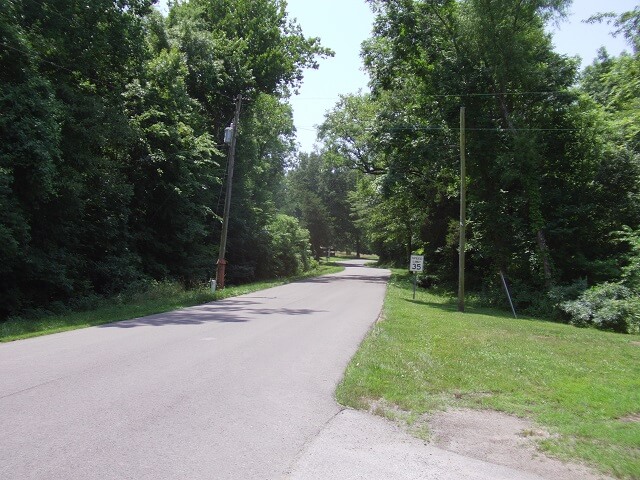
x=463 y=211
x=222 y=263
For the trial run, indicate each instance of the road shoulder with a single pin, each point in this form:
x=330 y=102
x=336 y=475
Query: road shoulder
x=359 y=445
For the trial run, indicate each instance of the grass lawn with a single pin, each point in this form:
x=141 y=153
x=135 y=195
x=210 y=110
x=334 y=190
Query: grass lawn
x=583 y=385
x=164 y=297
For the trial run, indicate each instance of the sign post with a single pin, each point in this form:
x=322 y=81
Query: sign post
x=416 y=265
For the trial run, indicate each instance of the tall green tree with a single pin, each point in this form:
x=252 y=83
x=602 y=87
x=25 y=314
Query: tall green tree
x=265 y=148
x=111 y=167
x=613 y=81
x=172 y=168
x=320 y=188
x=251 y=48
x=29 y=155
x=64 y=132
x=541 y=166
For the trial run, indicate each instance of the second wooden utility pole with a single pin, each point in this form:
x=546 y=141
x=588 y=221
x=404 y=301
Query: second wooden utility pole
x=222 y=263
x=463 y=212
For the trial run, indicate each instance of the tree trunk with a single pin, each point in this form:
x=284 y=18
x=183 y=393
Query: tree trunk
x=544 y=253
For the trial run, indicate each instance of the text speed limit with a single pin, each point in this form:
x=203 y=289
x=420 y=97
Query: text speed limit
x=416 y=263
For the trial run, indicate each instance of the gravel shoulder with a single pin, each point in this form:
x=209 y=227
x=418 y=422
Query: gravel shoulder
x=465 y=445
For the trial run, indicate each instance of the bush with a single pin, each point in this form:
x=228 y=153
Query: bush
x=631 y=271
x=289 y=247
x=608 y=306
x=561 y=294
x=427 y=281
x=527 y=299
x=633 y=315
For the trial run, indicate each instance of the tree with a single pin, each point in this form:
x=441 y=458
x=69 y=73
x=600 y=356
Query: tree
x=304 y=184
x=249 y=47
x=64 y=131
x=109 y=169
x=390 y=222
x=29 y=154
x=320 y=190
x=275 y=50
x=613 y=82
x=172 y=169
x=349 y=132
x=541 y=165
x=264 y=150
x=289 y=247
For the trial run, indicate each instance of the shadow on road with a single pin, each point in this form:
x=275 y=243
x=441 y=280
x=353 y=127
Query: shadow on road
x=243 y=310
x=239 y=311
x=354 y=263
x=348 y=277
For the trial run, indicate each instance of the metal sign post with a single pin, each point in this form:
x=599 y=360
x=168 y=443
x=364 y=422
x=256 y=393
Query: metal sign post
x=506 y=289
x=416 y=264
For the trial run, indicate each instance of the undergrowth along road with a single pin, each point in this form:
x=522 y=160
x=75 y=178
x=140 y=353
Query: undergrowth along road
x=158 y=298
x=583 y=385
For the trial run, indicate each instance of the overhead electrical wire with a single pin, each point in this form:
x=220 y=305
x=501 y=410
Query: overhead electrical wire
x=313 y=128
x=462 y=95
x=468 y=129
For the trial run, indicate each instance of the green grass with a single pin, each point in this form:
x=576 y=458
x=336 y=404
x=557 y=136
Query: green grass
x=583 y=385
x=162 y=297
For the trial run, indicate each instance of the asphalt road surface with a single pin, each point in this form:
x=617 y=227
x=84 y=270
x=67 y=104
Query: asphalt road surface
x=229 y=390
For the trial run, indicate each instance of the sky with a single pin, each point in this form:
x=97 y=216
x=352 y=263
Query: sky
x=343 y=25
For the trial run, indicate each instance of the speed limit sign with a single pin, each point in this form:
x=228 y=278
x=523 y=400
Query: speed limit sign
x=417 y=263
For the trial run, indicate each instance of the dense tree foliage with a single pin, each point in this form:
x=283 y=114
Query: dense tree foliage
x=111 y=168
x=552 y=166
x=319 y=192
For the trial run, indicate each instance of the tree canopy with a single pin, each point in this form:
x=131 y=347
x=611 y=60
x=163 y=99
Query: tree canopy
x=112 y=166
x=111 y=160
x=552 y=157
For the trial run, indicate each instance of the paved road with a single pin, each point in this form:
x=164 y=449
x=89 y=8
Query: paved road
x=231 y=390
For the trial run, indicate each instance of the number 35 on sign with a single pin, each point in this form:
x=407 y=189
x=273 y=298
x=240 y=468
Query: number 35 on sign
x=417 y=263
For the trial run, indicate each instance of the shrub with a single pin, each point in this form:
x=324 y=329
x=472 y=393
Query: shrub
x=289 y=247
x=633 y=315
x=558 y=295
x=631 y=271
x=608 y=306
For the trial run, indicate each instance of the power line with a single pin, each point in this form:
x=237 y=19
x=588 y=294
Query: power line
x=4 y=44
x=494 y=94
x=474 y=129
x=454 y=129
x=462 y=95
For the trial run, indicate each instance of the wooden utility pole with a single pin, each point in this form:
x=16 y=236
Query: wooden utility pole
x=222 y=263
x=463 y=212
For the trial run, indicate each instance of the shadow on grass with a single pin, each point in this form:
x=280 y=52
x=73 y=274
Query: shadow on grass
x=441 y=306
x=452 y=307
